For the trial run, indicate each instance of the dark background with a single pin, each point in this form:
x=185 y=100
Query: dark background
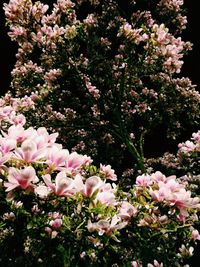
x=190 y=68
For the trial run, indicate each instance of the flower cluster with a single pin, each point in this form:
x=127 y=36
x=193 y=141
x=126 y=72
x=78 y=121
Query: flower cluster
x=188 y=154
x=102 y=75
x=11 y=110
x=58 y=202
x=173 y=10
x=190 y=147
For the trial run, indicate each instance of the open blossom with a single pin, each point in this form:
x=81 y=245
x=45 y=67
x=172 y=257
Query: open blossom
x=63 y=185
x=18 y=133
x=135 y=35
x=55 y=224
x=75 y=161
x=6 y=113
x=43 y=138
x=106 y=198
x=159 y=176
x=195 y=235
x=187 y=147
x=9 y=216
x=56 y=157
x=7 y=145
x=196 y=137
x=18 y=119
x=111 y=73
x=173 y=193
x=108 y=172
x=106 y=226
x=29 y=152
x=38 y=10
x=20 y=178
x=127 y=211
x=106 y=194
x=89 y=187
x=186 y=251
x=17 y=31
x=190 y=147
x=42 y=191
x=143 y=180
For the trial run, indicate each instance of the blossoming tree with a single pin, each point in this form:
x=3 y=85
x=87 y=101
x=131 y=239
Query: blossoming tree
x=104 y=73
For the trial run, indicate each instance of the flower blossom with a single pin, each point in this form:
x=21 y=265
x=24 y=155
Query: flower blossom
x=107 y=172
x=20 y=178
x=55 y=224
x=56 y=157
x=195 y=235
x=7 y=145
x=29 y=152
x=106 y=226
x=63 y=185
x=155 y=264
x=91 y=185
x=127 y=211
x=75 y=161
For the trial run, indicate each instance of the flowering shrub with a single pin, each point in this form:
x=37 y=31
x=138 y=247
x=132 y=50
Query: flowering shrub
x=189 y=153
x=186 y=159
x=11 y=110
x=57 y=208
x=104 y=73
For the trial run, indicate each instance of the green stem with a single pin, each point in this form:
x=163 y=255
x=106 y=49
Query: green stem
x=122 y=134
x=136 y=154
x=165 y=231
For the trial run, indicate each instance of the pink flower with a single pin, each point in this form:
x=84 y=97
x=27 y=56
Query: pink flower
x=6 y=112
x=29 y=152
x=91 y=185
x=56 y=157
x=196 y=136
x=195 y=235
x=63 y=185
x=143 y=180
x=127 y=211
x=17 y=31
x=42 y=191
x=187 y=147
x=106 y=226
x=107 y=172
x=155 y=264
x=19 y=120
x=55 y=224
x=172 y=193
x=158 y=176
x=18 y=133
x=106 y=194
x=4 y=159
x=46 y=139
x=106 y=198
x=20 y=178
x=75 y=161
x=6 y=145
x=135 y=264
